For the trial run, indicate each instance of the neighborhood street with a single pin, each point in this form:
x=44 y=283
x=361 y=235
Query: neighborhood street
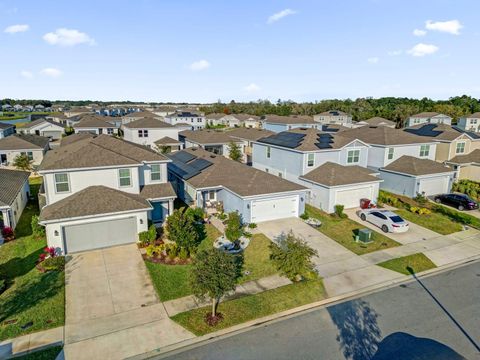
x=438 y=320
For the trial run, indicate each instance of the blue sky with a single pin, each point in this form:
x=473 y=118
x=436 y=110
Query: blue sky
x=202 y=51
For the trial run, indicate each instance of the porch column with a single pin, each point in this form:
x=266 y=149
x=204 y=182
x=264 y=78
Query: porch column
x=6 y=217
x=170 y=207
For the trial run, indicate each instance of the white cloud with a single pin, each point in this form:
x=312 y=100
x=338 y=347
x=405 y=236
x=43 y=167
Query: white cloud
x=373 y=60
x=199 y=65
x=251 y=88
x=26 y=74
x=423 y=49
x=418 y=32
x=68 y=37
x=451 y=26
x=13 y=29
x=394 y=52
x=51 y=72
x=280 y=15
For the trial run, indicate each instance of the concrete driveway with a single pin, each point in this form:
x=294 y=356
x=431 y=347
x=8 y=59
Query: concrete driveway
x=414 y=234
x=112 y=310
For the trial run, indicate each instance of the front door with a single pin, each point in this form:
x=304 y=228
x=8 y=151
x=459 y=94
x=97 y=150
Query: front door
x=3 y=158
x=157 y=212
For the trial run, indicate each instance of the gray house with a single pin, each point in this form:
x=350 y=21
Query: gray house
x=6 y=130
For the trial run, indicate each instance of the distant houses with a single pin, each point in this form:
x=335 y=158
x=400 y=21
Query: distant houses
x=429 y=118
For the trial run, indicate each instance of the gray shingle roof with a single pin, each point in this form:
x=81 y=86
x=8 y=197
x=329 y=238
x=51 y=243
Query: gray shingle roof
x=414 y=166
x=23 y=142
x=293 y=119
x=376 y=120
x=249 y=133
x=11 y=182
x=148 y=123
x=40 y=121
x=204 y=137
x=92 y=121
x=384 y=135
x=332 y=174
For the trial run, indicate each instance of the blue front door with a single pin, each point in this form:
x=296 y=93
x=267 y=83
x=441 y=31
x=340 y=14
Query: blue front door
x=157 y=212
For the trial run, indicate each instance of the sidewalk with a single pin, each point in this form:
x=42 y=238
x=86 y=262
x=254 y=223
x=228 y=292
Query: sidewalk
x=190 y=302
x=27 y=343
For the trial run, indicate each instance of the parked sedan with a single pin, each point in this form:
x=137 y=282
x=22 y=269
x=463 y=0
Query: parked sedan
x=459 y=201
x=386 y=220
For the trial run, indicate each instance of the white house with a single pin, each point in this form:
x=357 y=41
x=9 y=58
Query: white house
x=14 y=193
x=278 y=123
x=334 y=117
x=217 y=142
x=148 y=130
x=470 y=122
x=6 y=130
x=44 y=127
x=101 y=191
x=210 y=181
x=33 y=146
x=428 y=117
x=95 y=124
x=233 y=120
x=195 y=120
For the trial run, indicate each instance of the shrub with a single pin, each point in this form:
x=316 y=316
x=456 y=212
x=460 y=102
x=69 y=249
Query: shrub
x=234 y=228
x=48 y=252
x=339 y=211
x=152 y=233
x=3 y=285
x=458 y=216
x=56 y=263
x=252 y=226
x=172 y=250
x=222 y=216
x=151 y=250
x=421 y=199
x=183 y=253
x=183 y=230
x=386 y=198
x=7 y=232
x=143 y=238
x=304 y=216
x=197 y=213
x=468 y=187
x=419 y=211
x=37 y=230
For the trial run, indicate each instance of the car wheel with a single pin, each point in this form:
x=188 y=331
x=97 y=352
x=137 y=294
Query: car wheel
x=438 y=201
x=363 y=217
x=460 y=207
x=385 y=228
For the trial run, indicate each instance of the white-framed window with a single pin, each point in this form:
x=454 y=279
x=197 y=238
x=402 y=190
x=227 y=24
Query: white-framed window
x=155 y=173
x=280 y=175
x=143 y=133
x=460 y=148
x=266 y=170
x=268 y=152
x=110 y=131
x=212 y=195
x=473 y=121
x=390 y=153
x=125 y=177
x=310 y=159
x=424 y=150
x=61 y=183
x=353 y=156
x=29 y=155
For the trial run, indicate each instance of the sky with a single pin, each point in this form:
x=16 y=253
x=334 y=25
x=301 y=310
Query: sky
x=205 y=51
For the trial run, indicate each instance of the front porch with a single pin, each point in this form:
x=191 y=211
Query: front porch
x=208 y=201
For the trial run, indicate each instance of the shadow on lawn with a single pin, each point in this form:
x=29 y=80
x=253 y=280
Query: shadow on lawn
x=19 y=266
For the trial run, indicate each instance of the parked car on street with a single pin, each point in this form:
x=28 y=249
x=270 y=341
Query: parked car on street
x=459 y=201
x=386 y=220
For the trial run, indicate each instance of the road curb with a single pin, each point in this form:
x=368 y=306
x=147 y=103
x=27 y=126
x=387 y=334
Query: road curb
x=204 y=339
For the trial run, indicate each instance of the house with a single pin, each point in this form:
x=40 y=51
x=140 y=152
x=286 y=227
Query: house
x=6 y=130
x=215 y=119
x=277 y=123
x=164 y=110
x=411 y=176
x=148 y=130
x=100 y=191
x=33 y=146
x=78 y=110
x=94 y=124
x=44 y=127
x=210 y=181
x=296 y=154
x=334 y=117
x=137 y=115
x=14 y=193
x=376 y=121
x=167 y=145
x=249 y=121
x=467 y=166
x=217 y=142
x=470 y=122
x=58 y=118
x=196 y=120
x=247 y=135
x=428 y=117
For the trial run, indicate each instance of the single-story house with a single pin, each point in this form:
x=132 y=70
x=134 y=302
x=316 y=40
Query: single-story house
x=248 y=135
x=333 y=184
x=33 y=146
x=411 y=176
x=167 y=144
x=206 y=180
x=6 y=129
x=277 y=123
x=217 y=142
x=95 y=124
x=14 y=193
x=44 y=127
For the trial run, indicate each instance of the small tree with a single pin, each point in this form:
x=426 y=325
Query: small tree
x=213 y=274
x=234 y=153
x=293 y=257
x=234 y=228
x=37 y=230
x=22 y=162
x=182 y=229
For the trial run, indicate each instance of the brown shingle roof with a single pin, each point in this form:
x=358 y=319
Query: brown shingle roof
x=249 y=133
x=426 y=114
x=384 y=135
x=204 y=137
x=436 y=131
x=414 y=166
x=92 y=121
x=70 y=139
x=40 y=121
x=140 y=114
x=157 y=191
x=333 y=113
x=473 y=116
x=472 y=158
x=148 y=123
x=376 y=120
x=94 y=200
x=23 y=142
x=293 y=119
x=11 y=183
x=332 y=174
x=215 y=116
x=167 y=141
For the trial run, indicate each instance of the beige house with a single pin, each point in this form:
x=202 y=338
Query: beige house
x=33 y=146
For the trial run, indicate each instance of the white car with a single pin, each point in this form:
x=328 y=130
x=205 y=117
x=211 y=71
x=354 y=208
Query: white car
x=386 y=220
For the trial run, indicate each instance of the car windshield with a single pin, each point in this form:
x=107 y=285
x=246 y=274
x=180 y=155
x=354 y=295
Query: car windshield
x=396 y=219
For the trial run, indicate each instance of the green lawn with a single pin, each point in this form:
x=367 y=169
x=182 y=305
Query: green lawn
x=49 y=353
x=436 y=222
x=171 y=281
x=253 y=306
x=417 y=262
x=343 y=231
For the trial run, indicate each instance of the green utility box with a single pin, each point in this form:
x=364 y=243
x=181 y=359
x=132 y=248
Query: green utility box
x=364 y=236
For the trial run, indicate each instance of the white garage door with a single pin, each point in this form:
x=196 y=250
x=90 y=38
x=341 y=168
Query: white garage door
x=99 y=234
x=272 y=209
x=350 y=198
x=434 y=186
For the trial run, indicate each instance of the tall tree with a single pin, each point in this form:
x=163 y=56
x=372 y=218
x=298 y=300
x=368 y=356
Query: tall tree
x=22 y=162
x=182 y=229
x=234 y=152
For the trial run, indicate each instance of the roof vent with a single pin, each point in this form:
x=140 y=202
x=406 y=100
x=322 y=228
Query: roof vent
x=213 y=156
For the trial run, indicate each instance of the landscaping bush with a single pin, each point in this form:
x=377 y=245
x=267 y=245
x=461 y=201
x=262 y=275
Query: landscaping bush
x=304 y=216
x=419 y=211
x=8 y=234
x=421 y=199
x=196 y=213
x=3 y=285
x=56 y=263
x=172 y=250
x=339 y=211
x=183 y=254
x=252 y=226
x=458 y=216
x=386 y=198
x=468 y=187
x=152 y=233
x=222 y=216
x=143 y=238
x=37 y=230
x=48 y=252
x=183 y=229
x=234 y=228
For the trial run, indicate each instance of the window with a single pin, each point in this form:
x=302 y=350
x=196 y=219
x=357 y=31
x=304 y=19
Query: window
x=460 y=148
x=353 y=156
x=28 y=154
x=211 y=195
x=142 y=133
x=310 y=160
x=280 y=175
x=266 y=170
x=424 y=150
x=61 y=183
x=390 y=153
x=155 y=173
x=268 y=152
x=125 y=177
x=473 y=121
x=110 y=131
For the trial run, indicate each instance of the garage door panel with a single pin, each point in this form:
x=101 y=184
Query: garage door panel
x=272 y=209
x=350 y=198
x=434 y=186
x=95 y=235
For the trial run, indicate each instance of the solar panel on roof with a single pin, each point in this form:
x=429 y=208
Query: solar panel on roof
x=200 y=164
x=183 y=170
x=182 y=156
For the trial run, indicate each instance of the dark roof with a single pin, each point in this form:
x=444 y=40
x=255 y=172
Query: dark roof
x=98 y=151
x=40 y=121
x=92 y=121
x=94 y=200
x=293 y=119
x=167 y=141
x=249 y=133
x=472 y=158
x=333 y=127
x=23 y=142
x=439 y=131
x=332 y=174
x=5 y=125
x=414 y=166
x=384 y=135
x=148 y=123
x=157 y=191
x=207 y=136
x=180 y=113
x=11 y=183
x=239 y=178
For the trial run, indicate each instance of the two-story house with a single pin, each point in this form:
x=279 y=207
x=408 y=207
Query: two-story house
x=306 y=156
x=148 y=130
x=277 y=123
x=33 y=146
x=95 y=124
x=217 y=142
x=470 y=122
x=334 y=117
x=428 y=117
x=248 y=135
x=375 y=121
x=44 y=127
x=195 y=120
x=101 y=191
x=6 y=130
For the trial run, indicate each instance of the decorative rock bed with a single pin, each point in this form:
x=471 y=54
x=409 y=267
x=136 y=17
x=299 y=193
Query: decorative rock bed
x=224 y=244
x=313 y=222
